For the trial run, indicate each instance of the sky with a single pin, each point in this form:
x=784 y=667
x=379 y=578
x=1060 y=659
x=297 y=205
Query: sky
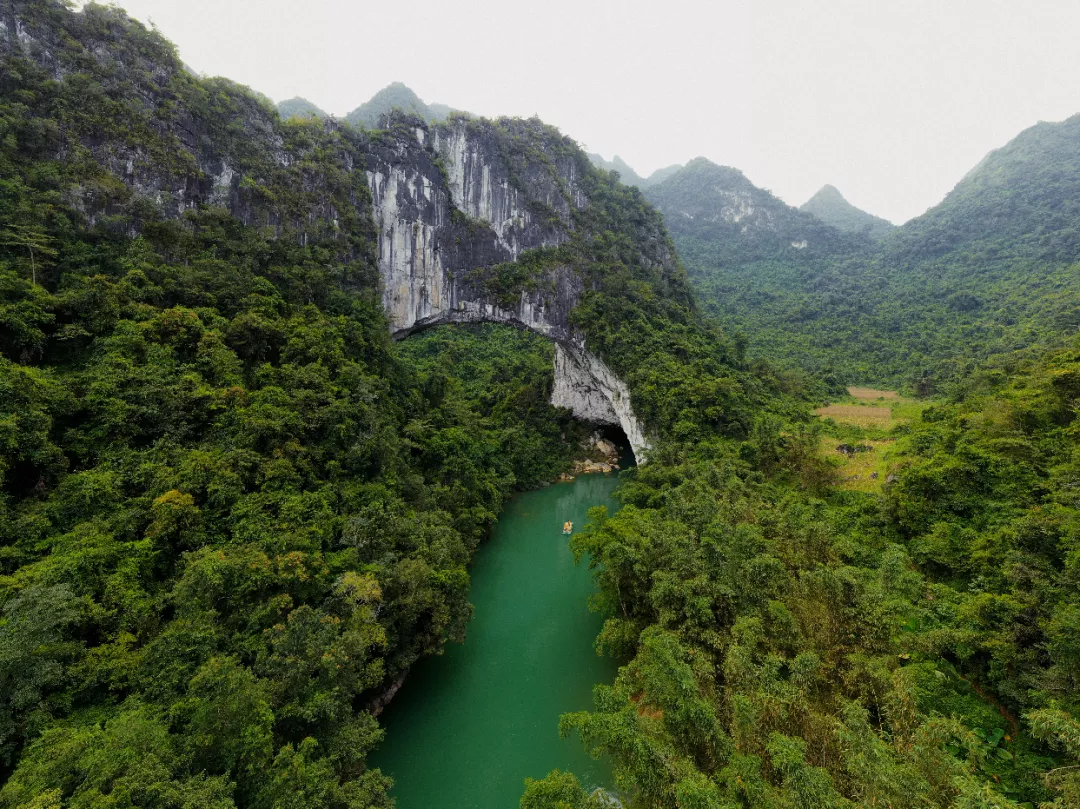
x=891 y=101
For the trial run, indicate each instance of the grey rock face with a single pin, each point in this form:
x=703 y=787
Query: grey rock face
x=445 y=204
x=435 y=230
x=585 y=385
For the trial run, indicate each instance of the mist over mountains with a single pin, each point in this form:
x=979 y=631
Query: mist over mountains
x=822 y=285
x=830 y=207
x=628 y=175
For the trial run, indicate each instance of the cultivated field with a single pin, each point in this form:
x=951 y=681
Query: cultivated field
x=862 y=424
x=858 y=415
x=869 y=394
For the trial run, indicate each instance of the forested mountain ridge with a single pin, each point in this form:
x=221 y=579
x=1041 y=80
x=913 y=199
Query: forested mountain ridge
x=368 y=115
x=233 y=513
x=988 y=271
x=829 y=205
x=718 y=203
x=396 y=96
x=628 y=175
x=300 y=108
x=1020 y=203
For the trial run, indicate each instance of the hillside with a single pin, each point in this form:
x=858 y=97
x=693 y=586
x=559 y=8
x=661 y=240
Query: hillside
x=627 y=175
x=660 y=175
x=1020 y=203
x=395 y=96
x=233 y=513
x=299 y=108
x=988 y=271
x=720 y=205
x=829 y=205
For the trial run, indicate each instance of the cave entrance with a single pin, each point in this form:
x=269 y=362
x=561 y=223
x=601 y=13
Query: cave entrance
x=616 y=436
x=486 y=354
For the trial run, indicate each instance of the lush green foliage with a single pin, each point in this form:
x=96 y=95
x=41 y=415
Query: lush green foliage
x=230 y=517
x=630 y=177
x=299 y=108
x=232 y=512
x=395 y=96
x=854 y=650
x=989 y=271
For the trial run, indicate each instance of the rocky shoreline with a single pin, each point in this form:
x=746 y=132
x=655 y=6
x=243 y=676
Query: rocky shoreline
x=603 y=457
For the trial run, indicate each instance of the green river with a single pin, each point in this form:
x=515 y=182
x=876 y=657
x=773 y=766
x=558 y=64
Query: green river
x=468 y=727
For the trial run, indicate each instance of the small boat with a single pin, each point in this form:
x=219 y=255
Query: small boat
x=568 y=527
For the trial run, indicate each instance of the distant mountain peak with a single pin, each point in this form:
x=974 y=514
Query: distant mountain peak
x=720 y=204
x=396 y=96
x=828 y=191
x=628 y=175
x=704 y=164
x=830 y=206
x=1023 y=198
x=299 y=108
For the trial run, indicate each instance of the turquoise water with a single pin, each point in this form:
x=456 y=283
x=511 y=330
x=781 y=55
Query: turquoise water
x=467 y=728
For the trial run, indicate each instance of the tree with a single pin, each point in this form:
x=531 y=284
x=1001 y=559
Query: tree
x=33 y=239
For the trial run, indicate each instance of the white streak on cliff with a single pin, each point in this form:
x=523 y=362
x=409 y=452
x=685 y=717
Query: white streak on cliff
x=420 y=291
x=412 y=273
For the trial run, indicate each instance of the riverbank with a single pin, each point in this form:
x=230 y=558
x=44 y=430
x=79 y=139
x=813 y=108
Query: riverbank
x=467 y=727
x=600 y=455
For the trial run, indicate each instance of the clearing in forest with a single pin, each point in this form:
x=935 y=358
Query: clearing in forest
x=861 y=465
x=858 y=434
x=858 y=415
x=870 y=394
x=871 y=409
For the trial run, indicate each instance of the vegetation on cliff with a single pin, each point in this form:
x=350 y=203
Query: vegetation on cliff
x=393 y=97
x=232 y=511
x=793 y=643
x=299 y=108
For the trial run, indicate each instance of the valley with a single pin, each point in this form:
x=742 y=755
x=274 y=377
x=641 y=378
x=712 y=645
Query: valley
x=491 y=706
x=291 y=407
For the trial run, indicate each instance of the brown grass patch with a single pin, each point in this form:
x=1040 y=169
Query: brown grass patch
x=857 y=415
x=644 y=709
x=872 y=393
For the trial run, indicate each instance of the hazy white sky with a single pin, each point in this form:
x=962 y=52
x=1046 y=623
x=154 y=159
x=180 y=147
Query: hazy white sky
x=892 y=101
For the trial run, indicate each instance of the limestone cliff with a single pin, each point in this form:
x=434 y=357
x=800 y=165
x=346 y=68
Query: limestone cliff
x=463 y=220
x=448 y=204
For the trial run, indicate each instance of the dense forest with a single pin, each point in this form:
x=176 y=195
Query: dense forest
x=232 y=510
x=794 y=643
x=395 y=96
x=234 y=513
x=989 y=271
